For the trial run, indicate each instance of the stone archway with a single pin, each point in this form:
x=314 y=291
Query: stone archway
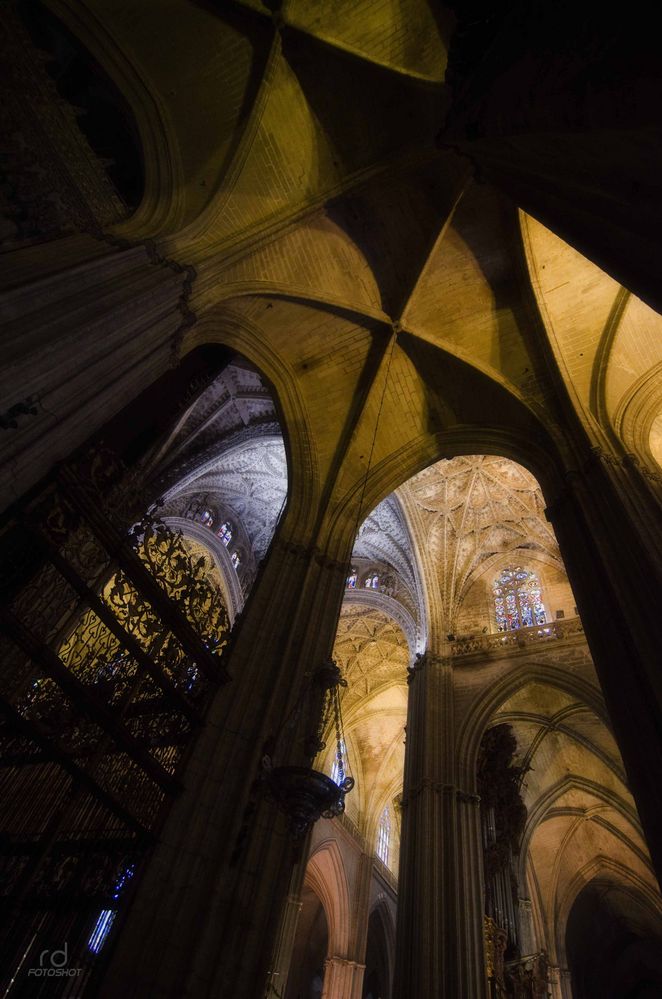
x=378 y=977
x=613 y=941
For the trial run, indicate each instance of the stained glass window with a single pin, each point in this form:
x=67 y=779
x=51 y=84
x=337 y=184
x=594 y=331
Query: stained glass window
x=372 y=582
x=234 y=557
x=206 y=518
x=384 y=836
x=517 y=599
x=106 y=917
x=351 y=579
x=225 y=533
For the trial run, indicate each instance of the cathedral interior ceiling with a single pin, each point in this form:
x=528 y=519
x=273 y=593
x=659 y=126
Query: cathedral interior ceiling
x=373 y=654
x=463 y=512
x=606 y=340
x=296 y=151
x=431 y=541
x=250 y=484
x=227 y=455
x=318 y=210
x=294 y=173
x=236 y=401
x=428 y=543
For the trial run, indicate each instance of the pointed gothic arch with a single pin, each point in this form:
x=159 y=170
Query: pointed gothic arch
x=326 y=874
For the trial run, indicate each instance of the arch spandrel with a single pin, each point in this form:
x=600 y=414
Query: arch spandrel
x=629 y=388
x=191 y=129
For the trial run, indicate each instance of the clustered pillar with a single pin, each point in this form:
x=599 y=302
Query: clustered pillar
x=439 y=948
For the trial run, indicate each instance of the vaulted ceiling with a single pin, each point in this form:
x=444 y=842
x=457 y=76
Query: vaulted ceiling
x=582 y=822
x=463 y=513
x=292 y=159
x=225 y=457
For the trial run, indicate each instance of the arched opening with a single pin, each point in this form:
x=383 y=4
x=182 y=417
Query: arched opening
x=73 y=159
x=555 y=807
x=306 y=978
x=421 y=573
x=614 y=943
x=378 y=959
x=121 y=599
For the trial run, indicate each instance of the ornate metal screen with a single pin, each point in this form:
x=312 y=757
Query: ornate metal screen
x=111 y=644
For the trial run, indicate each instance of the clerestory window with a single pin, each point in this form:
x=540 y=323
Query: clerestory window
x=384 y=836
x=518 y=599
x=225 y=533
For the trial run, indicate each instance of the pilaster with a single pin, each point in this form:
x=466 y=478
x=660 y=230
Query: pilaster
x=526 y=934
x=361 y=909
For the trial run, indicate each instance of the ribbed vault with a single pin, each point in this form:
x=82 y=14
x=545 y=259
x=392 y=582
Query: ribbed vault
x=293 y=162
x=467 y=516
x=581 y=816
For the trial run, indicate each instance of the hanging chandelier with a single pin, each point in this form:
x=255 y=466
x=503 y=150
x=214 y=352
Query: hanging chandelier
x=302 y=793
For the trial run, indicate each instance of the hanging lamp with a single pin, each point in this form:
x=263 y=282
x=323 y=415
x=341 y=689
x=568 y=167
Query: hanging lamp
x=302 y=793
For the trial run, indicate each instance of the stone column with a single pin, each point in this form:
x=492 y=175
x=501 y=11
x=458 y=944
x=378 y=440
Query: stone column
x=607 y=521
x=280 y=965
x=565 y=981
x=439 y=942
x=207 y=908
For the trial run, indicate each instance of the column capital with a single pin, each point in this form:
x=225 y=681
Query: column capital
x=418 y=664
x=343 y=979
x=425 y=660
x=344 y=962
x=439 y=787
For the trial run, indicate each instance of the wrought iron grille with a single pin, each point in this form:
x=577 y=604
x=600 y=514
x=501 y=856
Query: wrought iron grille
x=111 y=650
